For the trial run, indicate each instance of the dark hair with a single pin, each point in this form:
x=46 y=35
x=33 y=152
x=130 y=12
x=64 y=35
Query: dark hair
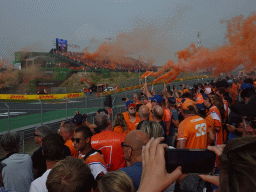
x=70 y=175
x=249 y=80
x=10 y=141
x=85 y=130
x=186 y=95
x=138 y=106
x=248 y=92
x=53 y=147
x=238 y=165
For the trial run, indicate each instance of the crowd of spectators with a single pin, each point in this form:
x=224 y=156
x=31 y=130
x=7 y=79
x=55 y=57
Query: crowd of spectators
x=131 y=65
x=128 y=155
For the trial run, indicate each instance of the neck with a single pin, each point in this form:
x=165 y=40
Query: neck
x=86 y=150
x=135 y=159
x=188 y=115
x=50 y=164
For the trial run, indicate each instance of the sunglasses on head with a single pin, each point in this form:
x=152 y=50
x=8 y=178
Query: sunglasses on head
x=77 y=140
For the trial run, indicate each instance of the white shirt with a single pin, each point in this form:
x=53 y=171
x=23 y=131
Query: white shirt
x=39 y=185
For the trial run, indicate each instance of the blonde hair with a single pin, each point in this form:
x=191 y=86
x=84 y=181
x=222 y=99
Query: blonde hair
x=119 y=121
x=152 y=128
x=116 y=181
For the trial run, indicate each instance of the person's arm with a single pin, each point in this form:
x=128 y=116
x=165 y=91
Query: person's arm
x=211 y=135
x=176 y=122
x=181 y=144
x=154 y=175
x=146 y=91
x=91 y=126
x=213 y=179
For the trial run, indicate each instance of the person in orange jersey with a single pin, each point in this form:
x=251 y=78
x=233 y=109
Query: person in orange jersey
x=131 y=117
x=92 y=157
x=67 y=131
x=120 y=124
x=109 y=143
x=192 y=131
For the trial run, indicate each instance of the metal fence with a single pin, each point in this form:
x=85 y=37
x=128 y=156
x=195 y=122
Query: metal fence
x=53 y=114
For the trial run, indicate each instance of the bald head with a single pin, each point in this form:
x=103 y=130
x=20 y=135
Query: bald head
x=144 y=112
x=158 y=112
x=136 y=139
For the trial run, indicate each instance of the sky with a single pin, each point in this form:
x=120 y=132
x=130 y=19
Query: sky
x=156 y=28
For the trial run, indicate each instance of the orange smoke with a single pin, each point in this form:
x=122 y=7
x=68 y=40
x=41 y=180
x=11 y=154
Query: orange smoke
x=128 y=46
x=240 y=49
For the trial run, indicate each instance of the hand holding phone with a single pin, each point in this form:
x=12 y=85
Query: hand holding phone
x=191 y=160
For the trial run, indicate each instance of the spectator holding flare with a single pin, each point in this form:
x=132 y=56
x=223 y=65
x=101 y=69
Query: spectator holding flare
x=67 y=131
x=120 y=124
x=109 y=143
x=92 y=157
x=131 y=117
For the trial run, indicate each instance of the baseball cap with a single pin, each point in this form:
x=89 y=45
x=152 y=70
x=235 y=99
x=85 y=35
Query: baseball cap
x=78 y=119
x=127 y=103
x=157 y=98
x=186 y=103
x=246 y=86
x=171 y=100
x=247 y=109
x=132 y=105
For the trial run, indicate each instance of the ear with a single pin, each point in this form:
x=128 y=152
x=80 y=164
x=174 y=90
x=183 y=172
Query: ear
x=129 y=152
x=88 y=140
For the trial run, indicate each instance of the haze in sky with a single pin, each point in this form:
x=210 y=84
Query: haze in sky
x=151 y=28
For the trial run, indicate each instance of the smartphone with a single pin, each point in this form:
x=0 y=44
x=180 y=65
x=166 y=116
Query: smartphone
x=124 y=99
x=191 y=160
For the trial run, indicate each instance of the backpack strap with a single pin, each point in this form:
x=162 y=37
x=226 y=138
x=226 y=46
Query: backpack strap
x=91 y=152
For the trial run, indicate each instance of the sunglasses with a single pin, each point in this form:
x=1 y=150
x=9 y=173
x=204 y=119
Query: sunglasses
x=35 y=135
x=250 y=121
x=131 y=108
x=77 y=140
x=123 y=145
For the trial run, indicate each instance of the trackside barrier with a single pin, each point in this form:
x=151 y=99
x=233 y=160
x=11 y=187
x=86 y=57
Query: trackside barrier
x=41 y=97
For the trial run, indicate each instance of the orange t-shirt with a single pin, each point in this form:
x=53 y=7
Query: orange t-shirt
x=215 y=114
x=119 y=129
x=131 y=126
x=109 y=143
x=70 y=145
x=194 y=130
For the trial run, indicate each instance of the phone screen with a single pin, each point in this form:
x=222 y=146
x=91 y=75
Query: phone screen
x=191 y=160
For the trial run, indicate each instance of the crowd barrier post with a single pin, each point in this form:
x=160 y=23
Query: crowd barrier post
x=23 y=143
x=9 y=126
x=41 y=104
x=101 y=103
x=113 y=102
x=85 y=103
x=66 y=108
